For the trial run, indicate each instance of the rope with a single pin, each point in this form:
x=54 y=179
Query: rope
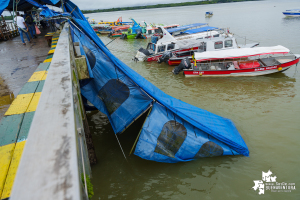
x=111 y=41
x=245 y=38
x=121 y=147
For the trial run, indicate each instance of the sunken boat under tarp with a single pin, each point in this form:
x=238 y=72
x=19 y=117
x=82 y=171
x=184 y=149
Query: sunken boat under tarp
x=173 y=131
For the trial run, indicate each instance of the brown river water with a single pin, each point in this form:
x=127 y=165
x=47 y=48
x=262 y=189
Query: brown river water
x=265 y=109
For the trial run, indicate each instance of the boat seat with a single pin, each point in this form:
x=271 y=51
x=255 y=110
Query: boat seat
x=212 y=67
x=236 y=65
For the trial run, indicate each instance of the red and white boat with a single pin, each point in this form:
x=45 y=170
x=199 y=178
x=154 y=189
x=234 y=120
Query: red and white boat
x=241 y=62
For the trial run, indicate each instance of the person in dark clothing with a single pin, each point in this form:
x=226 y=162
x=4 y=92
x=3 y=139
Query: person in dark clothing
x=30 y=24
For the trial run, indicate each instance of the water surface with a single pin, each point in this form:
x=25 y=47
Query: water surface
x=265 y=110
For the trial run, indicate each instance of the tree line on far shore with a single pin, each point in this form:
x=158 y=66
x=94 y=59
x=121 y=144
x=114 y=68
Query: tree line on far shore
x=162 y=5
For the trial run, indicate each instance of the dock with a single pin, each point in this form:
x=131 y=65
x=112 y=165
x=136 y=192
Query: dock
x=43 y=133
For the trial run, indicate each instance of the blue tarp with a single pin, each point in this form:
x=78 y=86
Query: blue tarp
x=23 y=4
x=3 y=5
x=27 y=4
x=199 y=30
x=111 y=91
x=122 y=94
x=171 y=30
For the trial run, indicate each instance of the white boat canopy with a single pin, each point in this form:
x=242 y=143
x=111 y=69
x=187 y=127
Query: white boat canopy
x=240 y=53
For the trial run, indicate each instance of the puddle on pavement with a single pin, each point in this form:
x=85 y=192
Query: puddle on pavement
x=6 y=97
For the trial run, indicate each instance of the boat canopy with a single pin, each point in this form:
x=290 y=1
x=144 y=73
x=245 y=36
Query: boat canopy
x=298 y=10
x=202 y=29
x=172 y=30
x=240 y=53
x=188 y=43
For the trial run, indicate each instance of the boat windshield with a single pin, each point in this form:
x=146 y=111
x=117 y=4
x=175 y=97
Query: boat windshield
x=151 y=47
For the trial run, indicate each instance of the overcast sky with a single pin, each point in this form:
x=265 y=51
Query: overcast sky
x=102 y=4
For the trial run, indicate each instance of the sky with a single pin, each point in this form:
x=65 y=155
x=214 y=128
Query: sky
x=103 y=4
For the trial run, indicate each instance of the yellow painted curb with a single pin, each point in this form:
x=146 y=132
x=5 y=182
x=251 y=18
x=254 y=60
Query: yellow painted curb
x=37 y=76
x=48 y=60
x=20 y=104
x=13 y=169
x=34 y=102
x=51 y=51
x=6 y=152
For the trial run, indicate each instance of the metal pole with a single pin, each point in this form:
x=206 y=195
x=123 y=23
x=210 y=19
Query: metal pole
x=81 y=143
x=13 y=11
x=62 y=5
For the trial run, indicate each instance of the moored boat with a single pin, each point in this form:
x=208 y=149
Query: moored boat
x=223 y=42
x=241 y=62
x=118 y=31
x=152 y=29
x=190 y=41
x=292 y=13
x=209 y=14
x=135 y=32
x=115 y=23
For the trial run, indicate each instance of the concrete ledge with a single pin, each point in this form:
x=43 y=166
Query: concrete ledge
x=49 y=166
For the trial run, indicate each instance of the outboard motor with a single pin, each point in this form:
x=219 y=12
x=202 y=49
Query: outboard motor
x=110 y=33
x=141 y=54
x=185 y=64
x=123 y=36
x=144 y=51
x=165 y=57
x=139 y=35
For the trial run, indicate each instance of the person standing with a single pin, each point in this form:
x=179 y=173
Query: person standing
x=30 y=24
x=22 y=27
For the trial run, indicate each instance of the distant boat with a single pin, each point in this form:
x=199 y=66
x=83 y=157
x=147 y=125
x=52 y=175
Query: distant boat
x=209 y=14
x=292 y=13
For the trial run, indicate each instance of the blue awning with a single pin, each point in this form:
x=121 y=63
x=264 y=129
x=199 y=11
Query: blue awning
x=24 y=5
x=171 y=30
x=202 y=29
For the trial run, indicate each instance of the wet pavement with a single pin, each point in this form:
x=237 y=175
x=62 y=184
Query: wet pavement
x=17 y=64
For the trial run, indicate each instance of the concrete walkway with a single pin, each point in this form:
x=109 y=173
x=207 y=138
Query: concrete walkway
x=18 y=63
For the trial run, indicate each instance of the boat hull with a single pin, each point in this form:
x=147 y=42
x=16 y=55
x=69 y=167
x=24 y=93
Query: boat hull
x=241 y=72
x=289 y=14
